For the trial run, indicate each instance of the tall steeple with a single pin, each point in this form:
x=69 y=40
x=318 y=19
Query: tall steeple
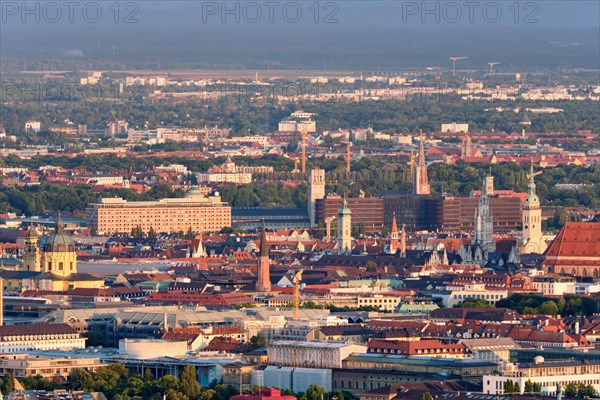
x=344 y=229
x=484 y=221
x=532 y=218
x=403 y=242
x=263 y=283
x=394 y=236
x=421 y=181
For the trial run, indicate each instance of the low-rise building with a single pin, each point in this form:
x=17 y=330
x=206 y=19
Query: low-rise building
x=549 y=375
x=428 y=348
x=22 y=338
x=285 y=353
x=24 y=365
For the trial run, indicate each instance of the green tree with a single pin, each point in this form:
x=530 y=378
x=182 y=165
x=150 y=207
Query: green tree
x=258 y=341
x=172 y=394
x=528 y=386
x=315 y=392
x=537 y=388
x=148 y=375
x=585 y=391
x=8 y=383
x=571 y=390
x=548 y=308
x=208 y=394
x=426 y=396
x=371 y=265
x=473 y=303
x=188 y=382
x=166 y=383
x=224 y=392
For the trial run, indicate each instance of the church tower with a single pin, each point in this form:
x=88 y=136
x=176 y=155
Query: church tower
x=403 y=242
x=420 y=180
x=484 y=221
x=532 y=220
x=31 y=256
x=394 y=236
x=58 y=252
x=344 y=229
x=316 y=190
x=263 y=283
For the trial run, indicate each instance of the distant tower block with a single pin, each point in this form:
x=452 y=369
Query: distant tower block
x=420 y=180
x=344 y=229
x=316 y=191
x=263 y=283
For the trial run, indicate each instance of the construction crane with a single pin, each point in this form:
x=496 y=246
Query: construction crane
x=297 y=278
x=454 y=59
x=491 y=64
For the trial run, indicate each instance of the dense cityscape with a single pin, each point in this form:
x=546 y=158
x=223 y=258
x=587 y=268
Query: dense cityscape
x=176 y=232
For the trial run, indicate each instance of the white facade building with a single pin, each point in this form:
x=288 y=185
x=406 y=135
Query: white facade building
x=471 y=291
x=33 y=126
x=549 y=375
x=286 y=353
x=23 y=338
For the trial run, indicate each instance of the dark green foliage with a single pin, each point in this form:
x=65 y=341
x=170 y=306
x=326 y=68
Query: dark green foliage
x=527 y=303
x=8 y=383
x=315 y=392
x=258 y=341
x=188 y=383
x=473 y=303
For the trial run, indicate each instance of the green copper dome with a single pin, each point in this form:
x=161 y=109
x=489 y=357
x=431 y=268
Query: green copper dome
x=344 y=210
x=59 y=241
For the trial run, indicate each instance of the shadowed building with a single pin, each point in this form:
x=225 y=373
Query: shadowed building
x=366 y=211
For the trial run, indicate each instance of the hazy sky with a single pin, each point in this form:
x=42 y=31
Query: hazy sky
x=326 y=32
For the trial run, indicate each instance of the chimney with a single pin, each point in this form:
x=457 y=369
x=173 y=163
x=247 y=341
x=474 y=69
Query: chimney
x=577 y=327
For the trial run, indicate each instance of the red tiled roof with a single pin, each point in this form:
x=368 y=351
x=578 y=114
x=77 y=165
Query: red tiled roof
x=577 y=239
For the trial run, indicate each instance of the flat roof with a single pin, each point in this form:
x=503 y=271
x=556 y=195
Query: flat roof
x=418 y=360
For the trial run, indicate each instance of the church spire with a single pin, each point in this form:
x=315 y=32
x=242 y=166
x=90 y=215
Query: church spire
x=263 y=283
x=264 y=244
x=421 y=181
x=59 y=225
x=531 y=184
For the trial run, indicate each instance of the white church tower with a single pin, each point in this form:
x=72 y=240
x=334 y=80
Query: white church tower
x=533 y=241
x=344 y=229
